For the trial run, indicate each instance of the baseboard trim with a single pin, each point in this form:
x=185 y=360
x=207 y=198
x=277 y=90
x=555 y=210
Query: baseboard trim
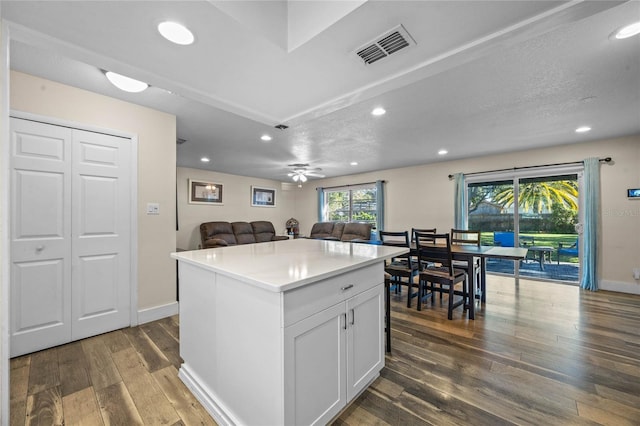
x=620 y=286
x=157 y=312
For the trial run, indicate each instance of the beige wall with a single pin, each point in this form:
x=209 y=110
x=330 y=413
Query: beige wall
x=156 y=132
x=422 y=196
x=236 y=197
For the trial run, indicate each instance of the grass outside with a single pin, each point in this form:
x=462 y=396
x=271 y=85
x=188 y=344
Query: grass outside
x=551 y=240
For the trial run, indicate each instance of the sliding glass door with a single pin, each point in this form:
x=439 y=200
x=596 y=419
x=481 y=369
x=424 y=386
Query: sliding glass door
x=530 y=209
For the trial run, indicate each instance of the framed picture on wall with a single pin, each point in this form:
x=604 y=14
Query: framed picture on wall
x=201 y=192
x=263 y=197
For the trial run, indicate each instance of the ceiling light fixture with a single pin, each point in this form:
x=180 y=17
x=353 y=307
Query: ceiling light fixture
x=583 y=129
x=628 y=31
x=378 y=111
x=265 y=138
x=124 y=83
x=443 y=152
x=176 y=33
x=354 y=163
x=205 y=160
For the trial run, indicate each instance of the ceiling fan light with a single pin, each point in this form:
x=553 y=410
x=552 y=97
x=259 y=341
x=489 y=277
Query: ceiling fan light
x=296 y=178
x=125 y=83
x=303 y=178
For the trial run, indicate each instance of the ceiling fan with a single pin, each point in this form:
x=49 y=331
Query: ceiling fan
x=299 y=172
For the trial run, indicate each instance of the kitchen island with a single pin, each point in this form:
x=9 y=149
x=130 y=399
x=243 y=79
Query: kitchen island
x=281 y=333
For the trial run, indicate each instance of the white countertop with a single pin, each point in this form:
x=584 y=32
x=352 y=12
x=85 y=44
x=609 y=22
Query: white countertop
x=284 y=265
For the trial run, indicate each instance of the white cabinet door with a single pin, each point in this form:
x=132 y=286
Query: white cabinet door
x=365 y=339
x=315 y=367
x=40 y=232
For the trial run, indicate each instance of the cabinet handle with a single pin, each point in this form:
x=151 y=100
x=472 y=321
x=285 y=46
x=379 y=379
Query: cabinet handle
x=347 y=287
x=353 y=316
x=345 y=320
x=39 y=248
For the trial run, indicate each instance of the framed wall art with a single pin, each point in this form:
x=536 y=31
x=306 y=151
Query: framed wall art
x=263 y=197
x=201 y=192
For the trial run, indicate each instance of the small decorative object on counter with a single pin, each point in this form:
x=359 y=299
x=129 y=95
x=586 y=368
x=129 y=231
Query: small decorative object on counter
x=293 y=227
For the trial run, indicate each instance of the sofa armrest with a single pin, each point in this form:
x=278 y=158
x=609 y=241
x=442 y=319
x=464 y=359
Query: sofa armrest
x=279 y=238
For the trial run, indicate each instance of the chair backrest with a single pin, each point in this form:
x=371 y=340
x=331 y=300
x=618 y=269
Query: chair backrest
x=424 y=230
x=434 y=248
x=396 y=239
x=463 y=236
x=217 y=230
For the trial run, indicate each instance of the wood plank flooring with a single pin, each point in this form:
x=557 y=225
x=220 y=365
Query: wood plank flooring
x=537 y=353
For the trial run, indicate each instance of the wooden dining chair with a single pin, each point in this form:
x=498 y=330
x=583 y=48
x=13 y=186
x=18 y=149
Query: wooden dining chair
x=468 y=237
x=434 y=250
x=402 y=269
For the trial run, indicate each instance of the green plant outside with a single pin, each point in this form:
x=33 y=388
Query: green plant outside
x=551 y=240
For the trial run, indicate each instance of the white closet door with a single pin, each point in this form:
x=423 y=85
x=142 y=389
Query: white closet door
x=40 y=235
x=101 y=233
x=70 y=235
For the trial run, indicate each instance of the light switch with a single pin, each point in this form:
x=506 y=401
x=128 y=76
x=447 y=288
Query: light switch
x=153 y=208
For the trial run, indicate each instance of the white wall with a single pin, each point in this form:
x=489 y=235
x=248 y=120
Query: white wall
x=422 y=196
x=156 y=133
x=236 y=197
x=4 y=262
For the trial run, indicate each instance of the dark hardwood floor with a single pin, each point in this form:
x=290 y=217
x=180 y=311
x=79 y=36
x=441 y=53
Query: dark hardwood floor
x=538 y=353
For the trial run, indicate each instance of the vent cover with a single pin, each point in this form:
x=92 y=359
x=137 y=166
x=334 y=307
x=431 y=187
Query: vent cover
x=384 y=45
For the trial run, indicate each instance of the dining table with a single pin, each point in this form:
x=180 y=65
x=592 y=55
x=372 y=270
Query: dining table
x=467 y=252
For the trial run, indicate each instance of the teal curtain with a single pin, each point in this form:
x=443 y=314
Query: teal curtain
x=379 y=205
x=591 y=193
x=459 y=204
x=320 y=204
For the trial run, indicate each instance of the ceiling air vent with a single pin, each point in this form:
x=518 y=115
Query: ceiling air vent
x=384 y=45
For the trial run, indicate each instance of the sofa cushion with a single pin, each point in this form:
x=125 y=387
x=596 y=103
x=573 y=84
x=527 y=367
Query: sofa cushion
x=338 y=229
x=243 y=232
x=321 y=230
x=356 y=231
x=263 y=231
x=210 y=231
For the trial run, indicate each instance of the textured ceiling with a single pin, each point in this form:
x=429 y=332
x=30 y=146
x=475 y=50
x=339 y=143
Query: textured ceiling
x=484 y=77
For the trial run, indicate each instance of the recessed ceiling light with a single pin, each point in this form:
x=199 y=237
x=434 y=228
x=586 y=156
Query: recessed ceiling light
x=354 y=163
x=126 y=83
x=583 y=129
x=175 y=33
x=378 y=111
x=628 y=31
x=265 y=138
x=443 y=152
x=204 y=159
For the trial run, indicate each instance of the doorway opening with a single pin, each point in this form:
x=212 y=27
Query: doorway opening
x=538 y=211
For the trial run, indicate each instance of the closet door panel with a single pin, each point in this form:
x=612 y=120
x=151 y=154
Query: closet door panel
x=40 y=288
x=101 y=233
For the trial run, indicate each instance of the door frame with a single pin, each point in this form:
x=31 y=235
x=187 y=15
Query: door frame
x=133 y=196
x=530 y=172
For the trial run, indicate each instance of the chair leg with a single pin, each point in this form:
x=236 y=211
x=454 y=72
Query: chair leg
x=450 y=309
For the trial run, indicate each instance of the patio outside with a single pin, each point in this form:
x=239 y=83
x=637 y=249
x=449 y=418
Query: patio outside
x=547 y=214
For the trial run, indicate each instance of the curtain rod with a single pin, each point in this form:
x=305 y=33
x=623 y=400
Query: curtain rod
x=602 y=160
x=347 y=186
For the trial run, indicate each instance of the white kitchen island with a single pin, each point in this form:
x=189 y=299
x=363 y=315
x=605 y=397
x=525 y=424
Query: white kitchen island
x=281 y=333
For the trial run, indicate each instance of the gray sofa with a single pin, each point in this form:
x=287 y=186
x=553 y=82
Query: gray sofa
x=222 y=234
x=341 y=231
